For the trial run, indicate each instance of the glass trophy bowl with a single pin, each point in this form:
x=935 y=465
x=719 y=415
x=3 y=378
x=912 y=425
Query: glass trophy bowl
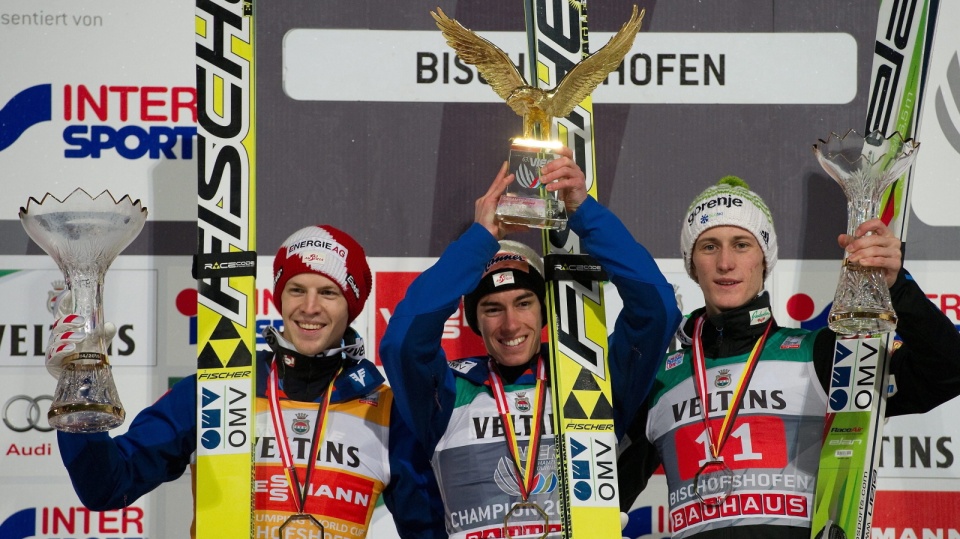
x=84 y=235
x=864 y=166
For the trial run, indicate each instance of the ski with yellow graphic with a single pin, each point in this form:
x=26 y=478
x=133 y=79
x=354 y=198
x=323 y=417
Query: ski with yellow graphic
x=225 y=268
x=847 y=476
x=580 y=384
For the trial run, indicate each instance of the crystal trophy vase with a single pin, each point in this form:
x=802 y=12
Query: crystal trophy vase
x=84 y=235
x=864 y=166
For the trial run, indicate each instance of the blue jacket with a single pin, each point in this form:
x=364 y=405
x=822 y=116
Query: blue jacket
x=113 y=472
x=424 y=386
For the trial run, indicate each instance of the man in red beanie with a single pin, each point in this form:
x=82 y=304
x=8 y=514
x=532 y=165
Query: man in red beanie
x=325 y=420
x=485 y=420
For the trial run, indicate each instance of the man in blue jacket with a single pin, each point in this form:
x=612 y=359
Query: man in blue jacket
x=479 y=416
x=322 y=408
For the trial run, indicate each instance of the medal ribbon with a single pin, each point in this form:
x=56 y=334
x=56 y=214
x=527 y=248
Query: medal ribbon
x=283 y=443
x=700 y=372
x=526 y=474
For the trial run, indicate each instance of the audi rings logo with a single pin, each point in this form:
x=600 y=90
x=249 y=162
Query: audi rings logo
x=23 y=413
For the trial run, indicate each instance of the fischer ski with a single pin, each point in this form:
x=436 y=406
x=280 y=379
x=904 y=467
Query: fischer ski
x=847 y=477
x=581 y=390
x=225 y=268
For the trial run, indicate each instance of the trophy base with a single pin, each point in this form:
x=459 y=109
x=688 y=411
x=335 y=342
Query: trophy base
x=546 y=213
x=86 y=400
x=862 y=322
x=85 y=418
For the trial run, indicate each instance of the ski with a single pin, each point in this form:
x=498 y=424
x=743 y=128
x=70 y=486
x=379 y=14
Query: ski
x=225 y=268
x=847 y=478
x=581 y=391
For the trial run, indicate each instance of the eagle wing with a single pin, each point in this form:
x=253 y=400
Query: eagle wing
x=494 y=64
x=584 y=78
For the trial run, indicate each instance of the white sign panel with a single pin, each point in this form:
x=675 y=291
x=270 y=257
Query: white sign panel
x=98 y=95
x=754 y=68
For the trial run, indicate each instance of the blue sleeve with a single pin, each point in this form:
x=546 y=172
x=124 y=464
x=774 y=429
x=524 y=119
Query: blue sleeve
x=412 y=496
x=415 y=364
x=650 y=315
x=110 y=473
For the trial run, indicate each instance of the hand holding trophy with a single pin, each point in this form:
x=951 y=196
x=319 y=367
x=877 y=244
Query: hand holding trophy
x=864 y=166
x=526 y=202
x=84 y=235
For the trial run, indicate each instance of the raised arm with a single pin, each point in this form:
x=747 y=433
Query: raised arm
x=410 y=351
x=650 y=315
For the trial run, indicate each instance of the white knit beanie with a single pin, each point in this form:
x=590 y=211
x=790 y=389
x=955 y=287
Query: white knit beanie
x=729 y=203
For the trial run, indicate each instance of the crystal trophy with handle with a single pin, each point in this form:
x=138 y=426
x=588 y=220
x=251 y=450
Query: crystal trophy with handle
x=84 y=235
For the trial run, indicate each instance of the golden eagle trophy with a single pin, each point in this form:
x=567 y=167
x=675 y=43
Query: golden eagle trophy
x=526 y=201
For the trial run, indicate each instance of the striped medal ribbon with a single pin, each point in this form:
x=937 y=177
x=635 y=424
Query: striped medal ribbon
x=714 y=480
x=526 y=473
x=299 y=491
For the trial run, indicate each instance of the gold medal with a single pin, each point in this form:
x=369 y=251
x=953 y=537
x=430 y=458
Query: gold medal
x=300 y=517
x=713 y=482
x=517 y=510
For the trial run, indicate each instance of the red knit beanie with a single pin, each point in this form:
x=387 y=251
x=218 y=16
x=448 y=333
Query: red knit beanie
x=326 y=251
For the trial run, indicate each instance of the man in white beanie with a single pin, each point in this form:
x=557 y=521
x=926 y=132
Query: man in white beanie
x=485 y=420
x=747 y=465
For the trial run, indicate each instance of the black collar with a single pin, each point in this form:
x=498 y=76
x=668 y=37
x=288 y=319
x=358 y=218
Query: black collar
x=732 y=332
x=303 y=378
x=510 y=375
